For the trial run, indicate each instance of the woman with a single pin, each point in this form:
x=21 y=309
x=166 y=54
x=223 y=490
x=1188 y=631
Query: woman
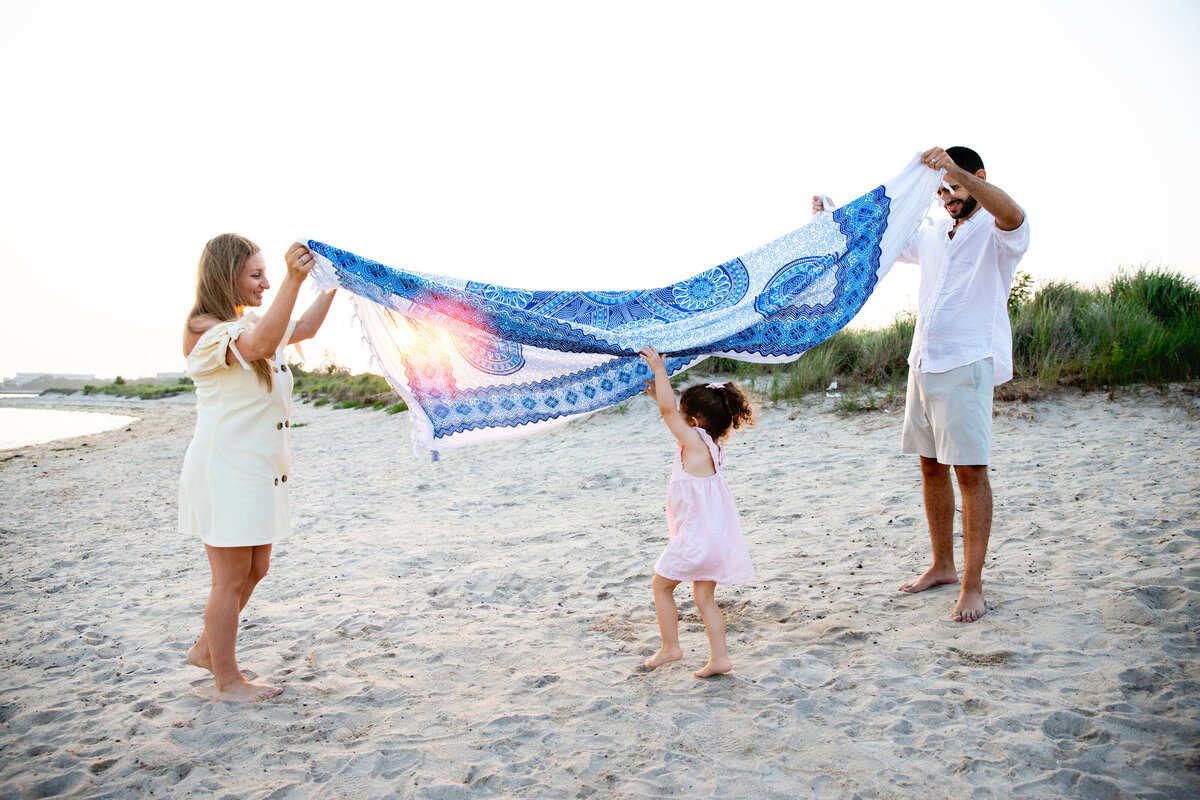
x=233 y=493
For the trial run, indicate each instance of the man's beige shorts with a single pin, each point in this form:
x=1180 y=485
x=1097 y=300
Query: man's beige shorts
x=948 y=415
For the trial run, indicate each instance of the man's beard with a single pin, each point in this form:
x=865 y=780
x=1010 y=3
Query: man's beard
x=968 y=208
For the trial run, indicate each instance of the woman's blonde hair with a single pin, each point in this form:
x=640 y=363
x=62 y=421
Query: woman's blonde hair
x=217 y=293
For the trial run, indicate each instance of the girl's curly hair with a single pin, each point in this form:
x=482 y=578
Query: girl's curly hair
x=717 y=407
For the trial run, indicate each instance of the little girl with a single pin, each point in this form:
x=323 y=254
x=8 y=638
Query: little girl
x=706 y=544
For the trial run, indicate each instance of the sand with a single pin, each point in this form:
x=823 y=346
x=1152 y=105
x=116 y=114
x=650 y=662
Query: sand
x=476 y=627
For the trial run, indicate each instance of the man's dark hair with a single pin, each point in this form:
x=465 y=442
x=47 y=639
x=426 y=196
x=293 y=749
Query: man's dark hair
x=966 y=158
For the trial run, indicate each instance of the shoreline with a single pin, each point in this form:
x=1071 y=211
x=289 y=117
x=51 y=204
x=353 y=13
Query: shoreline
x=477 y=625
x=151 y=416
x=25 y=426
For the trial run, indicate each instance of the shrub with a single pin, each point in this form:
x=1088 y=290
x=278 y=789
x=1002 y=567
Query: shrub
x=1144 y=327
x=1018 y=293
x=1168 y=296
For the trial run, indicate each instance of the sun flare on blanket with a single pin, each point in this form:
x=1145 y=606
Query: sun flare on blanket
x=424 y=340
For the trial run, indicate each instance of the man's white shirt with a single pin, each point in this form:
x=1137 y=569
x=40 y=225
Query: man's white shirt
x=962 y=305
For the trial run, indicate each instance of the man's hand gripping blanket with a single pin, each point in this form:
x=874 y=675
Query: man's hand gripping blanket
x=475 y=361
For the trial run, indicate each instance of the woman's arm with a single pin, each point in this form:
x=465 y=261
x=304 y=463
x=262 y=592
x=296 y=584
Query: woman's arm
x=264 y=339
x=311 y=320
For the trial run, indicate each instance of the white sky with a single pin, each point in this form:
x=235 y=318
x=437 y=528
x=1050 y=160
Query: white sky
x=600 y=145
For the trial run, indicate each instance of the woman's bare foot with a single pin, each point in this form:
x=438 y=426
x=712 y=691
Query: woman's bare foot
x=663 y=656
x=246 y=692
x=970 y=606
x=929 y=579
x=716 y=666
x=198 y=657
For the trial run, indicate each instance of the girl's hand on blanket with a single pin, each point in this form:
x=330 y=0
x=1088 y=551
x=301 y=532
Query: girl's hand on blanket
x=662 y=392
x=299 y=261
x=656 y=364
x=653 y=360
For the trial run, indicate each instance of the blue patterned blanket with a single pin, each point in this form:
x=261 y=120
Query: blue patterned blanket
x=475 y=361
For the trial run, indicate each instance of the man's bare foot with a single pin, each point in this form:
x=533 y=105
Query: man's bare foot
x=198 y=658
x=246 y=692
x=663 y=656
x=716 y=666
x=929 y=579
x=970 y=606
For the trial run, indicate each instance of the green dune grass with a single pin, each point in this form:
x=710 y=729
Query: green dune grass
x=1142 y=328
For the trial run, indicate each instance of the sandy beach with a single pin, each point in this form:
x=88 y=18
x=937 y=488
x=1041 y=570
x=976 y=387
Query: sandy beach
x=476 y=627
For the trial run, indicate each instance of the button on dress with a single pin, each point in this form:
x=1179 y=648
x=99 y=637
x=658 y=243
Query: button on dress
x=706 y=537
x=233 y=491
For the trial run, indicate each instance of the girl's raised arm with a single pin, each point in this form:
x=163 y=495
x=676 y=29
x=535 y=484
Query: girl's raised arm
x=660 y=389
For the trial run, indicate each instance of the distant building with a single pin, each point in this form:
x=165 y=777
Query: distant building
x=23 y=378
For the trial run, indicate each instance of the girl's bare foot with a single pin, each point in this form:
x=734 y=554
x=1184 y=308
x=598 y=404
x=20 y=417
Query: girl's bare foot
x=246 y=692
x=930 y=579
x=663 y=656
x=198 y=657
x=716 y=666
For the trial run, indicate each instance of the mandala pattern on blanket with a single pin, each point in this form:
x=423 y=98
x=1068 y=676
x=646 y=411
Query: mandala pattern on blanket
x=477 y=361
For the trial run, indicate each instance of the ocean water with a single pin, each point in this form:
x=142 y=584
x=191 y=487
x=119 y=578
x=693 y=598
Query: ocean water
x=25 y=426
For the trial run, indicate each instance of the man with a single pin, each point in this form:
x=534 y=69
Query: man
x=961 y=349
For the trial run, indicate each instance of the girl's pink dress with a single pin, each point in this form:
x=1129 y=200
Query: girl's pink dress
x=706 y=538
